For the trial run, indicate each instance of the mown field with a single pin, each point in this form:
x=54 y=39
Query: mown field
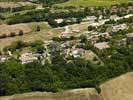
x=91 y=2
x=120 y=88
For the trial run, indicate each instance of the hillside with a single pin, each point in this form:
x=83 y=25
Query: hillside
x=92 y=2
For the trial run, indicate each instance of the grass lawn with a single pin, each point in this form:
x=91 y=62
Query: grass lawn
x=43 y=26
x=77 y=3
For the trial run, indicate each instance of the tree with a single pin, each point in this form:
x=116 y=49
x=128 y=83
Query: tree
x=3 y=36
x=83 y=38
x=21 y=33
x=90 y=28
x=12 y=34
x=38 y=28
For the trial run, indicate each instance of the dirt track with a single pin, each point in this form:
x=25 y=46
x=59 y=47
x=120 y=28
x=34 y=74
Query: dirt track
x=75 y=94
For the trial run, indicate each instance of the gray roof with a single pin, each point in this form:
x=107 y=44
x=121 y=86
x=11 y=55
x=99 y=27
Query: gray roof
x=129 y=35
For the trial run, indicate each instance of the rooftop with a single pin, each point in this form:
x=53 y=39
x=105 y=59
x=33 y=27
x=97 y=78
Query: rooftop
x=101 y=45
x=129 y=35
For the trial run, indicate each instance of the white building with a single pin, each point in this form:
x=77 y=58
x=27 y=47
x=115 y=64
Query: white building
x=127 y=16
x=115 y=17
x=59 y=20
x=27 y=58
x=3 y=58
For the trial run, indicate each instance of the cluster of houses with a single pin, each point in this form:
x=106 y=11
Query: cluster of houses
x=100 y=20
x=69 y=48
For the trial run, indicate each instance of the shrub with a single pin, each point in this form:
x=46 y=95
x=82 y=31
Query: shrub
x=21 y=33
x=38 y=28
x=12 y=34
x=3 y=36
x=95 y=59
x=98 y=89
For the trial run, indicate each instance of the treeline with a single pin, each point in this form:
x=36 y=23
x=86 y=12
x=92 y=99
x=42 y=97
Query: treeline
x=31 y=16
x=15 y=9
x=52 y=1
x=14 y=34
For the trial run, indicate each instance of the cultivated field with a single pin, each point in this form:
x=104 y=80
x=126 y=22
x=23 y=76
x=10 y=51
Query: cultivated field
x=76 y=94
x=120 y=88
x=91 y=2
x=7 y=29
x=25 y=27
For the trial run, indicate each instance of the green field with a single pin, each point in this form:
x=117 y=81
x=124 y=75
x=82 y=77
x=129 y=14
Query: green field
x=92 y=2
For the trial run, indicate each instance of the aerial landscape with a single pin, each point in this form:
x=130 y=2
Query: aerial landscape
x=66 y=49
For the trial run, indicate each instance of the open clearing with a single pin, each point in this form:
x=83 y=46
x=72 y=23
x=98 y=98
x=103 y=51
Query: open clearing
x=120 y=88
x=78 y=3
x=75 y=94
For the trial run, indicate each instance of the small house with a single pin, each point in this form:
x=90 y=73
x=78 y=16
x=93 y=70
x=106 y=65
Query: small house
x=101 y=45
x=119 y=27
x=129 y=37
x=3 y=58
